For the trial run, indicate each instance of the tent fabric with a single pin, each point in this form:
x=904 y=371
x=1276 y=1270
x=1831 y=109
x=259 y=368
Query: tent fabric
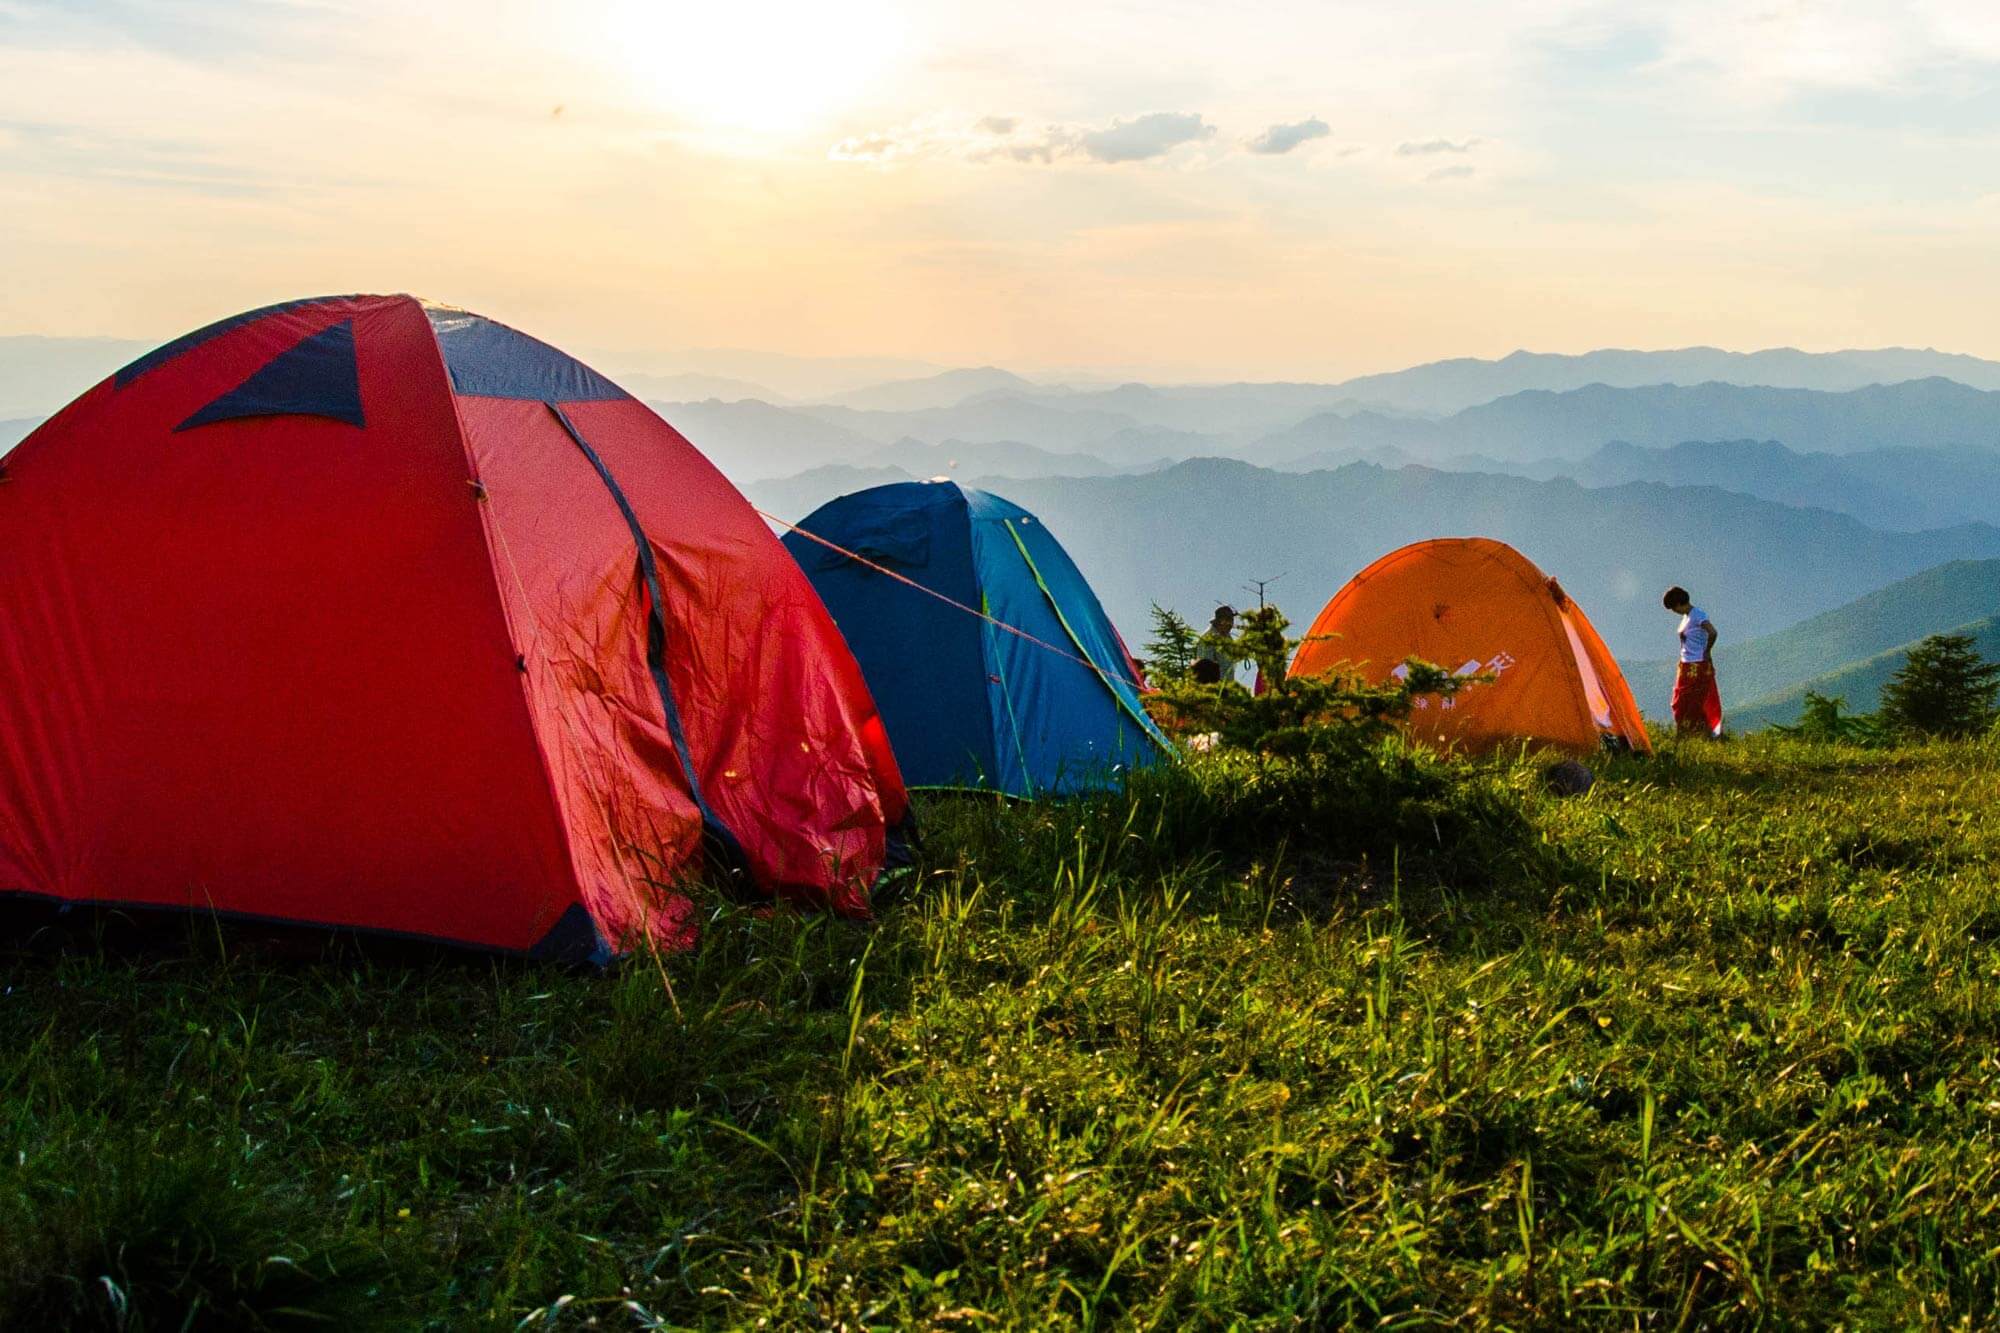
x=418 y=671
x=968 y=704
x=317 y=378
x=1479 y=607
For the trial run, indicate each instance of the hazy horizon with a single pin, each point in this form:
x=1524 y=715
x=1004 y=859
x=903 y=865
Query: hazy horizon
x=871 y=368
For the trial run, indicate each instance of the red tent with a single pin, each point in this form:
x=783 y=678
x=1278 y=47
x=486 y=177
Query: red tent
x=365 y=612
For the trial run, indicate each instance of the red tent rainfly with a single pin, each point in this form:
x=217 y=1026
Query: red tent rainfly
x=369 y=613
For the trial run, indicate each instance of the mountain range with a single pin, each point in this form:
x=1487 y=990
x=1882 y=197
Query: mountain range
x=1193 y=534
x=1848 y=441
x=946 y=389
x=1444 y=387
x=1904 y=488
x=1538 y=424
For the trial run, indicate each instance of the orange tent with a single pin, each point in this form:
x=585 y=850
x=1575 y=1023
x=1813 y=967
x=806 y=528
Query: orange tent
x=1476 y=606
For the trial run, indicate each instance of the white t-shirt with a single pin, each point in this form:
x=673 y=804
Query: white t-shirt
x=1694 y=639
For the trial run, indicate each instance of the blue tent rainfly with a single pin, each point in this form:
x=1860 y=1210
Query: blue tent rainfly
x=966 y=703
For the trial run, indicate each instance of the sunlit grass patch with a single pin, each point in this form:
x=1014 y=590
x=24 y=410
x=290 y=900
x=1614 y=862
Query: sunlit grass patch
x=1413 y=1042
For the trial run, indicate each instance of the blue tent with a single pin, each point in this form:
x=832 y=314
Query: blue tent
x=968 y=704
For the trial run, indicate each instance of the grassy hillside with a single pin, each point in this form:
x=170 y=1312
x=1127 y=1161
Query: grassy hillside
x=1764 y=671
x=1711 y=1046
x=1858 y=683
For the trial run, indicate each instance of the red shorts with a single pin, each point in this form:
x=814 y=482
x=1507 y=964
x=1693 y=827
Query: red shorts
x=1697 y=702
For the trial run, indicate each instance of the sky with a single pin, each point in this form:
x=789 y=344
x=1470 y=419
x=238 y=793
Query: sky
x=1174 y=190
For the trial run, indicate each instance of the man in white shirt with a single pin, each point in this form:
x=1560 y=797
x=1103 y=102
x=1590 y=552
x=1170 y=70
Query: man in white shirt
x=1214 y=662
x=1697 y=701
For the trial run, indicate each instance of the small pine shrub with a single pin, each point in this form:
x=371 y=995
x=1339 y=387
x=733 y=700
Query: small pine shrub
x=1822 y=719
x=1311 y=766
x=1170 y=653
x=1334 y=715
x=1944 y=688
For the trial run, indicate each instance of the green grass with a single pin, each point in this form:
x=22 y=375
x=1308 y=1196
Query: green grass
x=1712 y=1045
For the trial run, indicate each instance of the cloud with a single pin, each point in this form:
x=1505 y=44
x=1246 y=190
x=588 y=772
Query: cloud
x=1284 y=138
x=869 y=148
x=1144 y=137
x=1006 y=139
x=1043 y=149
x=1449 y=174
x=1431 y=147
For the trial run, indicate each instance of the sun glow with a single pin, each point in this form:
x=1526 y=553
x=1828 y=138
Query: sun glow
x=768 y=67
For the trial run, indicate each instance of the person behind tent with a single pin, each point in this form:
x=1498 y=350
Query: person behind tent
x=1697 y=701
x=1215 y=660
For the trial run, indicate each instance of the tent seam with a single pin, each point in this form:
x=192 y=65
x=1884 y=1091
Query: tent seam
x=1006 y=695
x=712 y=821
x=487 y=525
x=1146 y=725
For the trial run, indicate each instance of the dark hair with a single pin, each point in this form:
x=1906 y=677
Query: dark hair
x=1675 y=596
x=1225 y=612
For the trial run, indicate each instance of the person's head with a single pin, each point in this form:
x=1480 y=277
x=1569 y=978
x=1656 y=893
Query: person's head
x=1677 y=600
x=1224 y=619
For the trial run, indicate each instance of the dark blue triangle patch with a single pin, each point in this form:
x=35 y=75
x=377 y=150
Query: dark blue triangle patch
x=316 y=378
x=489 y=360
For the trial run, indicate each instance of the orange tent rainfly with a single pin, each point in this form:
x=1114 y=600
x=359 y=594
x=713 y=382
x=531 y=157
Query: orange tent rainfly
x=370 y=613
x=1476 y=606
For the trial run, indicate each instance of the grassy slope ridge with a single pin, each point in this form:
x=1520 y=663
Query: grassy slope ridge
x=1711 y=1046
x=1858 y=683
x=1760 y=672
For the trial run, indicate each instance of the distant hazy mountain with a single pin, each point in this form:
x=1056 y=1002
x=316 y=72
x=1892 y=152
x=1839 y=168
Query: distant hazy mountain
x=807 y=379
x=988 y=420
x=1905 y=489
x=1444 y=387
x=1229 y=413
x=1775 y=666
x=1150 y=446
x=39 y=375
x=1930 y=413
x=1191 y=535
x=690 y=387
x=1858 y=684
x=1008 y=458
x=752 y=440
x=792 y=498
x=948 y=389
